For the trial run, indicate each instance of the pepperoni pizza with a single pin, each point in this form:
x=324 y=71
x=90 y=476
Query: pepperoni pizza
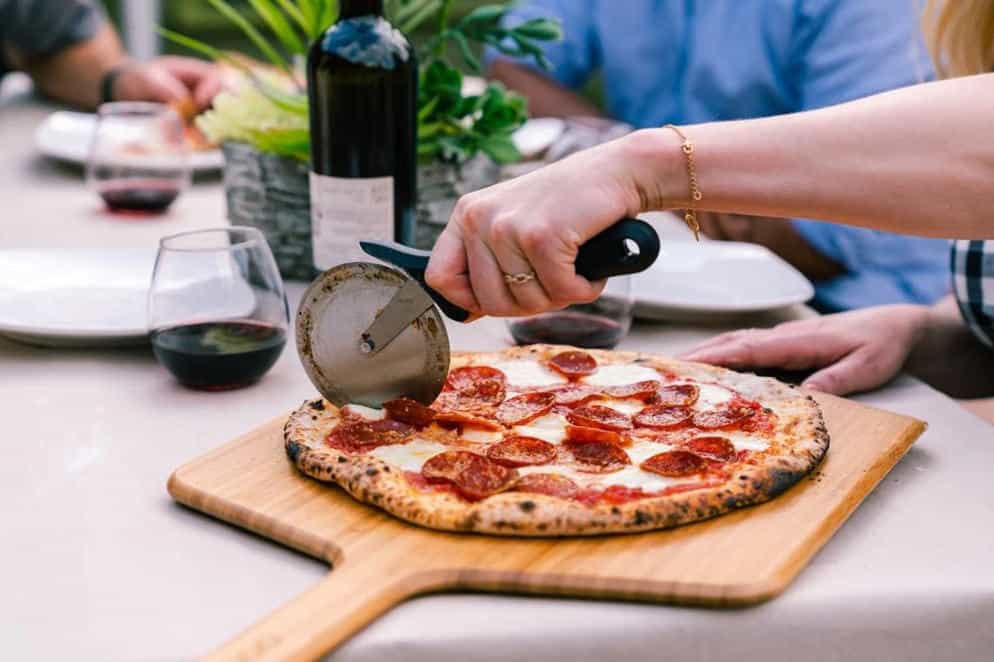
x=554 y=441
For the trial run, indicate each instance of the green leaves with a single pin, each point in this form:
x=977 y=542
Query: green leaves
x=452 y=126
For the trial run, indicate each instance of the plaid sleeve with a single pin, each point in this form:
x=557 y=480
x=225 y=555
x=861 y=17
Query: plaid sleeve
x=973 y=283
x=40 y=27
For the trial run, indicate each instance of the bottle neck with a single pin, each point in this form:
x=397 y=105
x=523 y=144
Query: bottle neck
x=354 y=8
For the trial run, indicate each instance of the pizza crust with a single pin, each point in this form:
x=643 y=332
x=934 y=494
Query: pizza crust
x=798 y=445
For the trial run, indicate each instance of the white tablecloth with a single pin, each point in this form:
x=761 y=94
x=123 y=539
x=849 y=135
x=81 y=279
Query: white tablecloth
x=99 y=564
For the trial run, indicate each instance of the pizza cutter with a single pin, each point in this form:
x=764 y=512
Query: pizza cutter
x=368 y=333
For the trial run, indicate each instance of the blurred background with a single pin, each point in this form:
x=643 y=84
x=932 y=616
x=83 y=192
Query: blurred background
x=136 y=21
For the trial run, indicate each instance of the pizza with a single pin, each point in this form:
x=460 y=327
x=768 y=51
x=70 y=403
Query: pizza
x=554 y=441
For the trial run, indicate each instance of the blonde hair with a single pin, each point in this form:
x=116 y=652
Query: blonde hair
x=960 y=36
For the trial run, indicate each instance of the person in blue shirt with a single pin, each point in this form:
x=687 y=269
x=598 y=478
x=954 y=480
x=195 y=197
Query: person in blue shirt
x=688 y=62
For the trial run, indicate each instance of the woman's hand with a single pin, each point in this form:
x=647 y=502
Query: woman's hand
x=537 y=223
x=854 y=351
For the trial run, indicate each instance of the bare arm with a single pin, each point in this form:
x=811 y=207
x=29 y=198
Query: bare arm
x=949 y=357
x=546 y=98
x=914 y=161
x=73 y=75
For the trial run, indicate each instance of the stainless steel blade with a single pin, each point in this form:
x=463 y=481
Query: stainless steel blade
x=335 y=312
x=408 y=304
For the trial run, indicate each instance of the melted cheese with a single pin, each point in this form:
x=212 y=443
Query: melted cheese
x=410 y=456
x=480 y=436
x=634 y=477
x=712 y=396
x=743 y=442
x=528 y=373
x=551 y=428
x=367 y=413
x=621 y=375
x=640 y=451
x=629 y=407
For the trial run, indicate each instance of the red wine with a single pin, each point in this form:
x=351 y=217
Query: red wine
x=362 y=81
x=150 y=196
x=218 y=355
x=568 y=328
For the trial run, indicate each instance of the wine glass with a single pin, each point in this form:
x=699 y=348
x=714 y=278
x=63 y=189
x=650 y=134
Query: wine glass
x=600 y=324
x=138 y=157
x=217 y=312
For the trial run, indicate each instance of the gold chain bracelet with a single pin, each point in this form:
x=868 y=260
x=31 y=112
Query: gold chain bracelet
x=690 y=214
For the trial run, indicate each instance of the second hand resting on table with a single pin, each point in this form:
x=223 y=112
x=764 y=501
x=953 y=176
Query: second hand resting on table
x=855 y=163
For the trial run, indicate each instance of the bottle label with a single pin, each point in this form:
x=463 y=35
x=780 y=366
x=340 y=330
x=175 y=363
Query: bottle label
x=345 y=210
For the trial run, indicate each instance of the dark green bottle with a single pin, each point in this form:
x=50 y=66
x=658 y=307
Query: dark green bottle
x=362 y=81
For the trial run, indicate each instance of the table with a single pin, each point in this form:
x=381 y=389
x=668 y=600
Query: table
x=99 y=563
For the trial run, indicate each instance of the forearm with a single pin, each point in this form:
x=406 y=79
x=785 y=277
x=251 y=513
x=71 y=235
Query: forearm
x=949 y=357
x=546 y=98
x=914 y=161
x=74 y=75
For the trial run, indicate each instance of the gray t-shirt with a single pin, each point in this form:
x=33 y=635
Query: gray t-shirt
x=41 y=27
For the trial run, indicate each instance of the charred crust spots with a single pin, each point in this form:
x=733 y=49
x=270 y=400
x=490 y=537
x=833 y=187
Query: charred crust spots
x=527 y=506
x=342 y=459
x=292 y=450
x=541 y=526
x=372 y=471
x=781 y=480
x=743 y=477
x=641 y=518
x=316 y=405
x=615 y=510
x=386 y=469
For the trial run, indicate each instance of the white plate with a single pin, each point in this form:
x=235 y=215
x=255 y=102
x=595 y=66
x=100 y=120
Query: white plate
x=66 y=135
x=75 y=297
x=538 y=135
x=98 y=297
x=716 y=279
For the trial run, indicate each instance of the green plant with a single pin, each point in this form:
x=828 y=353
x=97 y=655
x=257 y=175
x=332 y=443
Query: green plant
x=271 y=112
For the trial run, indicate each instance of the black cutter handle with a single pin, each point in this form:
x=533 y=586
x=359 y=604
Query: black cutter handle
x=627 y=247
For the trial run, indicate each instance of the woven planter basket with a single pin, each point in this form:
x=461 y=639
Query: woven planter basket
x=272 y=193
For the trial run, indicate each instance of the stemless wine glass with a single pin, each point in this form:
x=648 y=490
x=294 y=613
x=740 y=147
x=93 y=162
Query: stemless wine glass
x=138 y=157
x=217 y=312
x=600 y=324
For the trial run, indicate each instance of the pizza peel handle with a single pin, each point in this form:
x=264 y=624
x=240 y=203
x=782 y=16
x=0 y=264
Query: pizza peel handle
x=348 y=599
x=627 y=247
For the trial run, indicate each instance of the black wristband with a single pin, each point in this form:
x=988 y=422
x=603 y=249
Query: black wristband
x=107 y=83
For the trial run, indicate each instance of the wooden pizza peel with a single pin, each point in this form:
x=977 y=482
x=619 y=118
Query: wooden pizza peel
x=378 y=561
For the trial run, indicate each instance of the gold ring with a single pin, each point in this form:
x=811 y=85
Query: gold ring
x=519 y=279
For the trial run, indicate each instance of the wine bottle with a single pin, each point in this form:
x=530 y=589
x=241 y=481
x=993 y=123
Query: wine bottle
x=362 y=77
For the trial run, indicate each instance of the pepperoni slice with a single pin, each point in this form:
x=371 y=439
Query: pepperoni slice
x=713 y=448
x=599 y=416
x=525 y=407
x=598 y=457
x=584 y=435
x=645 y=391
x=675 y=464
x=549 y=484
x=409 y=411
x=573 y=364
x=575 y=394
x=520 y=451
x=470 y=376
x=722 y=417
x=662 y=417
x=453 y=418
x=474 y=476
x=367 y=435
x=678 y=395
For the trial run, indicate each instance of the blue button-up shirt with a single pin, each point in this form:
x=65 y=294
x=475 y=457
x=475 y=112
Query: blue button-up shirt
x=689 y=61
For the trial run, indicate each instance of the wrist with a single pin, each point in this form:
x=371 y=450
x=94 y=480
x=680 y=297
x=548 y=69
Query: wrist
x=656 y=169
x=109 y=81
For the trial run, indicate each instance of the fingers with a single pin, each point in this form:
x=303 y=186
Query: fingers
x=861 y=370
x=448 y=271
x=781 y=347
x=529 y=296
x=552 y=253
